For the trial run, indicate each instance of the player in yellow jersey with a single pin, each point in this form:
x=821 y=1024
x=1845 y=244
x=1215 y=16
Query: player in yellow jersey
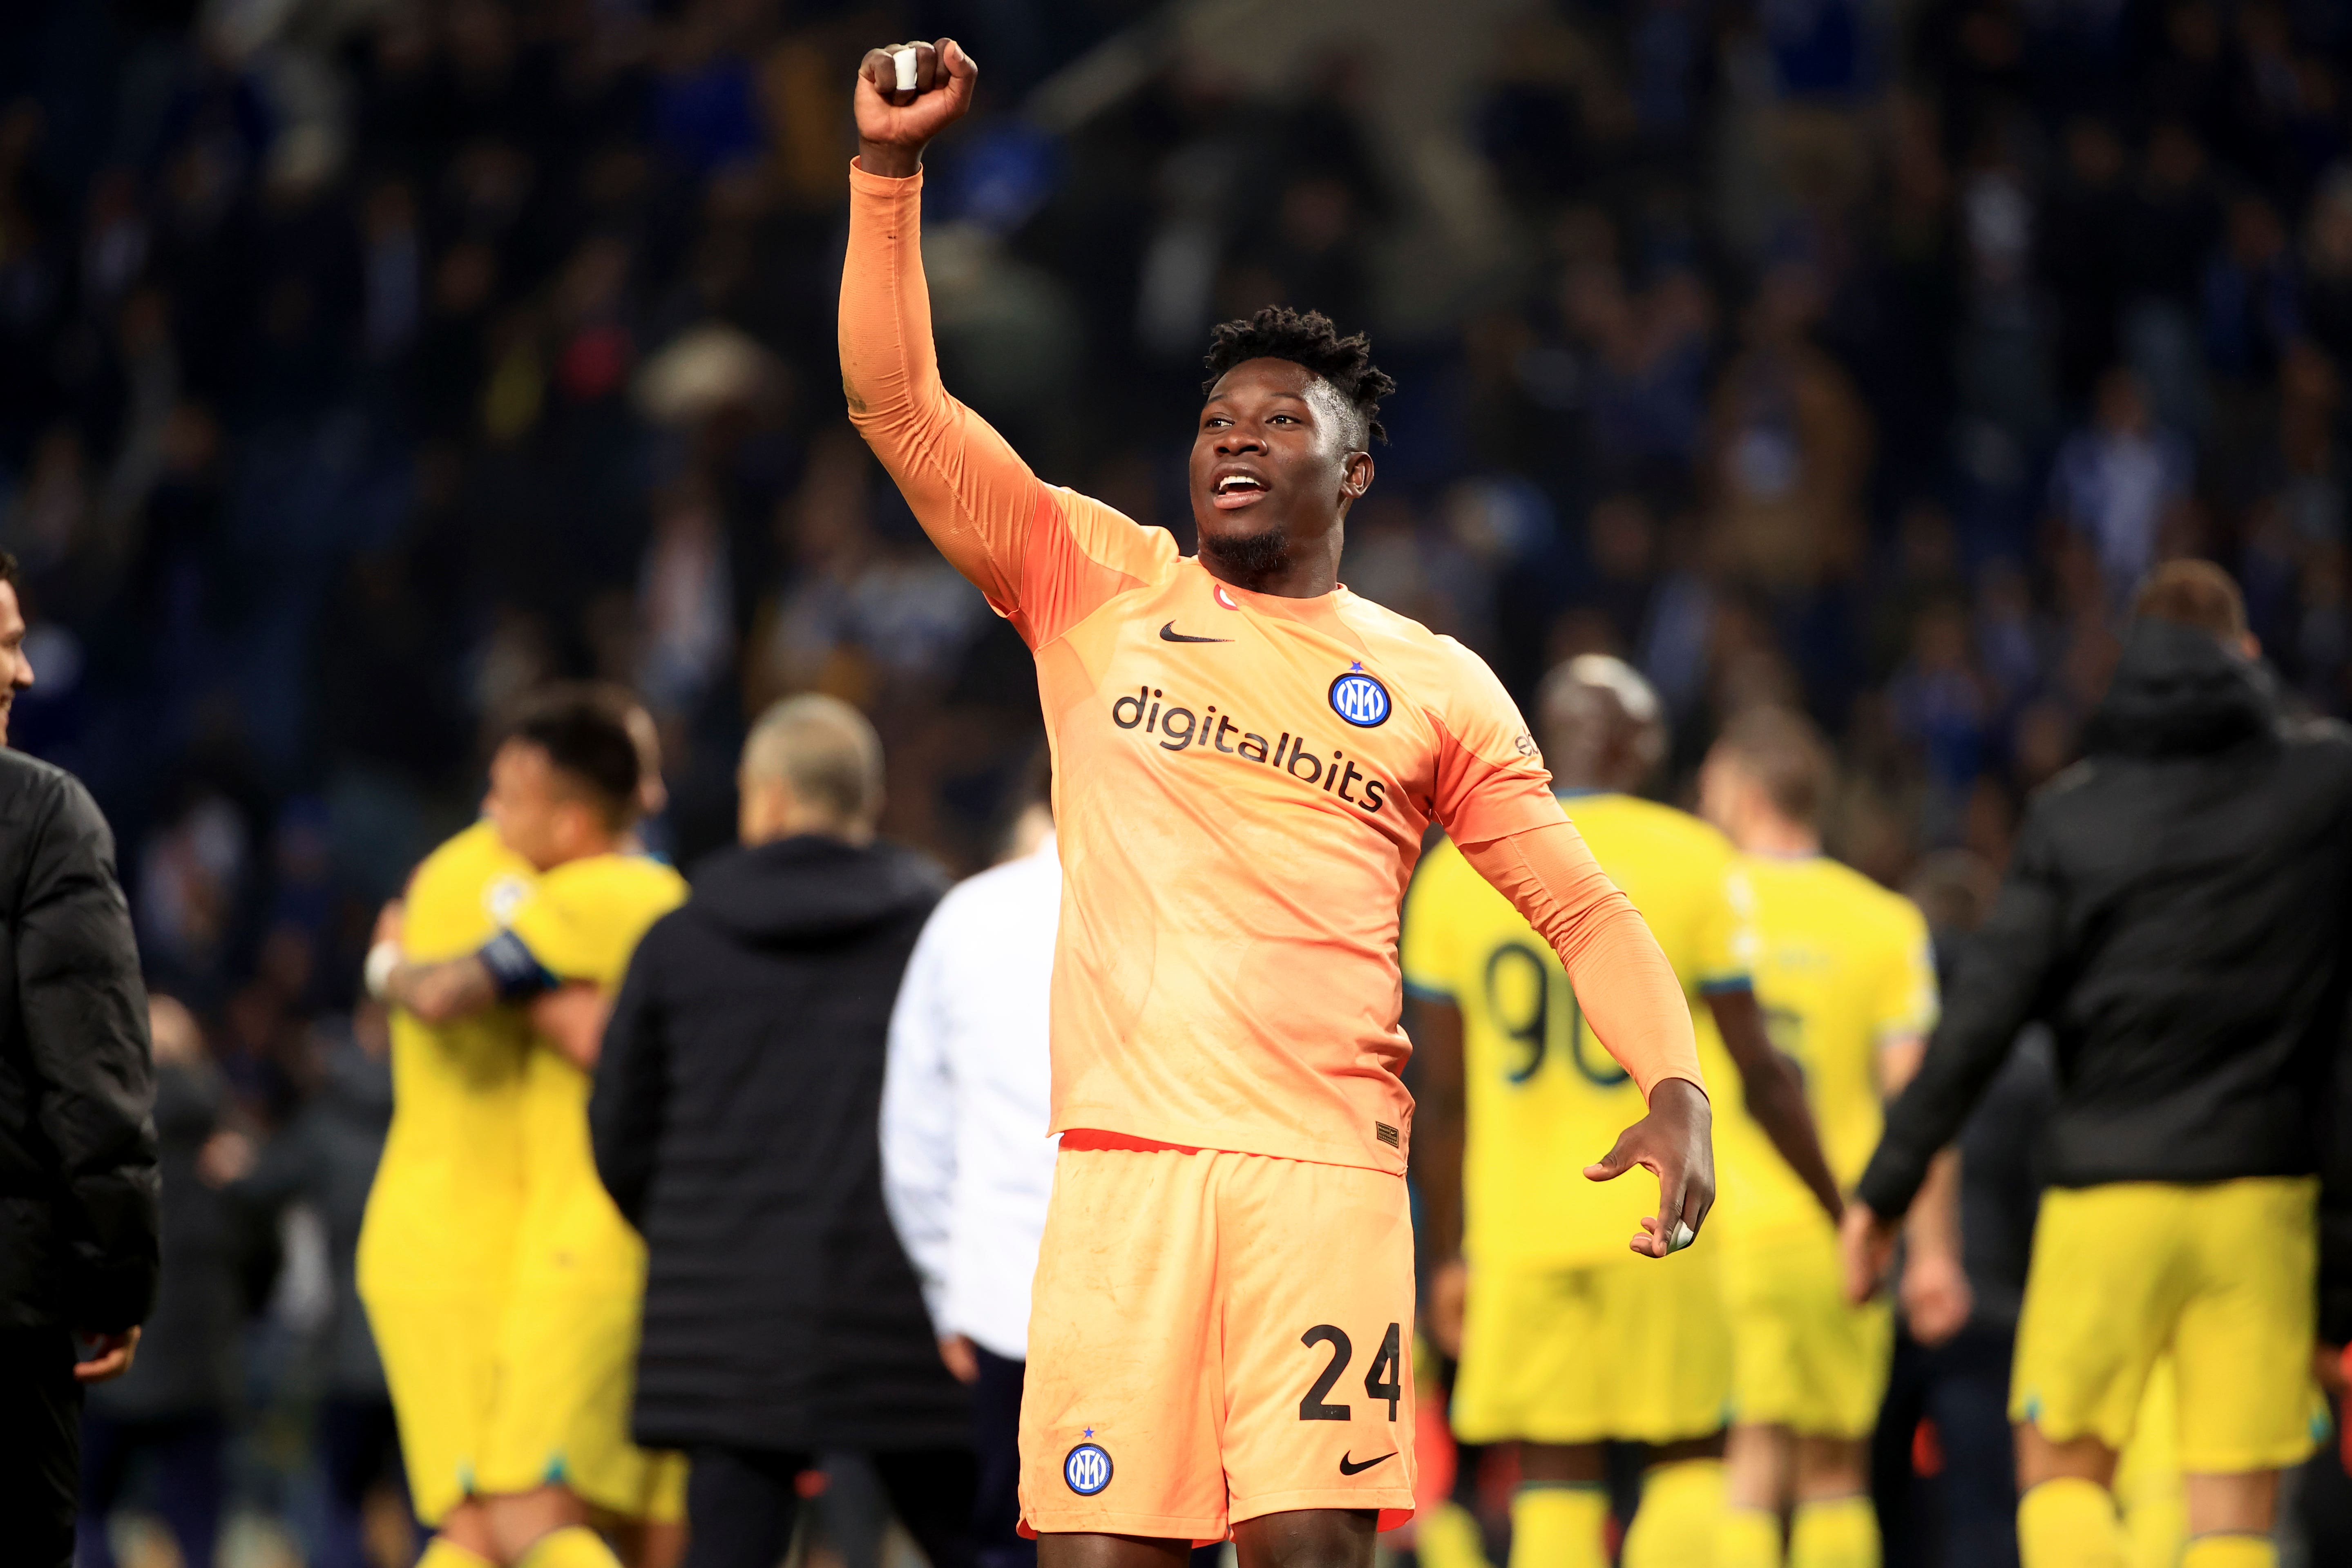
x=438 y=1243
x=1566 y=1339
x=1847 y=982
x=554 y=1454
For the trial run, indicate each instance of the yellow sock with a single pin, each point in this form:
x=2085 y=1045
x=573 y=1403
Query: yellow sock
x=1834 y=1532
x=1682 y=1509
x=574 y=1546
x=2068 y=1523
x=1559 y=1524
x=442 y=1553
x=2229 y=1552
x=1748 y=1538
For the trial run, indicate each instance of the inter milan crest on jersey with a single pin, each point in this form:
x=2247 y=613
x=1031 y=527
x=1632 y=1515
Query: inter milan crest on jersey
x=1360 y=698
x=1087 y=1469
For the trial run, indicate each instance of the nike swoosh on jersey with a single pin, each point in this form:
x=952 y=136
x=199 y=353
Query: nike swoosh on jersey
x=1169 y=634
x=1346 y=1468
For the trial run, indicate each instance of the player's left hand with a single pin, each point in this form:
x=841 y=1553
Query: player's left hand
x=1867 y=1242
x=388 y=922
x=1675 y=1143
x=895 y=123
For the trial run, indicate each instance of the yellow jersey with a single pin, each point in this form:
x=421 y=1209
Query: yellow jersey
x=582 y=922
x=1843 y=969
x=448 y=1193
x=1544 y=1099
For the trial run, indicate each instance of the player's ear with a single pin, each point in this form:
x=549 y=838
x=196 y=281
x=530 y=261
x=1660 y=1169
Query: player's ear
x=1356 y=478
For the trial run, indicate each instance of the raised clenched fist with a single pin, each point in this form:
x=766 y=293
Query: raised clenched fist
x=895 y=122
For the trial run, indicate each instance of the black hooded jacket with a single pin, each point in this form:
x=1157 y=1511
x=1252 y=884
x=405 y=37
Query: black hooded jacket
x=736 y=1119
x=80 y=1207
x=2177 y=911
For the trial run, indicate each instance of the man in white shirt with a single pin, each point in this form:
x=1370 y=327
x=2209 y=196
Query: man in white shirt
x=966 y=1164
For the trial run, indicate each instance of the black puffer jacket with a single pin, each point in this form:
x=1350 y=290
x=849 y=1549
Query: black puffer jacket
x=2177 y=911
x=79 y=1211
x=736 y=1119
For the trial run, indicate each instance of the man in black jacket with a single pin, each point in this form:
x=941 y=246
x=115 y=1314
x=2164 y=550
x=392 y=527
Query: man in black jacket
x=736 y=1120
x=78 y=1205
x=2177 y=911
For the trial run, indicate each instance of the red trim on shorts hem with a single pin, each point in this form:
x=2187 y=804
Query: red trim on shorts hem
x=1094 y=1140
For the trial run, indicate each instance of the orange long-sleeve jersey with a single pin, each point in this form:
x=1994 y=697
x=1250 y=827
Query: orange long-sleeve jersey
x=1241 y=786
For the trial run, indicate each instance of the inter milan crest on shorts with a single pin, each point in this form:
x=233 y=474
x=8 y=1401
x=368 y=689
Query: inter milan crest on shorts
x=1360 y=698
x=1087 y=1469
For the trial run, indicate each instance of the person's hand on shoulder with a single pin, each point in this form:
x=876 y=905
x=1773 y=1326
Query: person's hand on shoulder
x=895 y=121
x=1675 y=1143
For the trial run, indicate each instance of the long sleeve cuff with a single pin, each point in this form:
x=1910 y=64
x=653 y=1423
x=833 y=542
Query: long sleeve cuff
x=864 y=183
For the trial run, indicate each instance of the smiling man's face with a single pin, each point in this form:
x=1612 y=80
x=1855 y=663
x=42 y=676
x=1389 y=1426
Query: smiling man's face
x=1277 y=462
x=13 y=662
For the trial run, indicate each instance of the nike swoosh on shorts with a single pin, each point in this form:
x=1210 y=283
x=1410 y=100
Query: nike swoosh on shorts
x=1346 y=1468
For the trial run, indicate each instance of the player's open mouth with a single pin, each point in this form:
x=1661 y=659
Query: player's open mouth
x=1230 y=492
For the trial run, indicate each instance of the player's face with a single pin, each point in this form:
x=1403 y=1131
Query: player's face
x=14 y=665
x=525 y=804
x=1273 y=455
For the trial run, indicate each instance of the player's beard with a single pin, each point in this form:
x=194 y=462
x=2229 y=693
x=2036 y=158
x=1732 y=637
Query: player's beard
x=1250 y=560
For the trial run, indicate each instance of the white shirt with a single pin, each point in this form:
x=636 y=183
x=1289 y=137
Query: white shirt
x=966 y=1164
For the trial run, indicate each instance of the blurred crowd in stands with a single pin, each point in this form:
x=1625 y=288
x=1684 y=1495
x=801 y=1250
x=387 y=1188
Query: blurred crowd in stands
x=365 y=363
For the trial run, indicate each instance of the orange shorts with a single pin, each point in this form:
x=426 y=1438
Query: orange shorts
x=1217 y=1336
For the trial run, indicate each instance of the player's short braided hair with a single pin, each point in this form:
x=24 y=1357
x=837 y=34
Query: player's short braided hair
x=1305 y=338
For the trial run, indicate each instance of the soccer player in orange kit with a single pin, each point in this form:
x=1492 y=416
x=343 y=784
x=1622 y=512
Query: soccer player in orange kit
x=1246 y=759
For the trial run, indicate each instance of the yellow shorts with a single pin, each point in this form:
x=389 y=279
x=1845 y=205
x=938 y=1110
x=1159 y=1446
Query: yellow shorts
x=2221 y=1274
x=440 y=1357
x=1627 y=1347
x=1217 y=1336
x=1800 y=1356
x=566 y=1372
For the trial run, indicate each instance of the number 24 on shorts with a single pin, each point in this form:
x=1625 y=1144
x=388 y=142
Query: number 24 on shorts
x=1382 y=1380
